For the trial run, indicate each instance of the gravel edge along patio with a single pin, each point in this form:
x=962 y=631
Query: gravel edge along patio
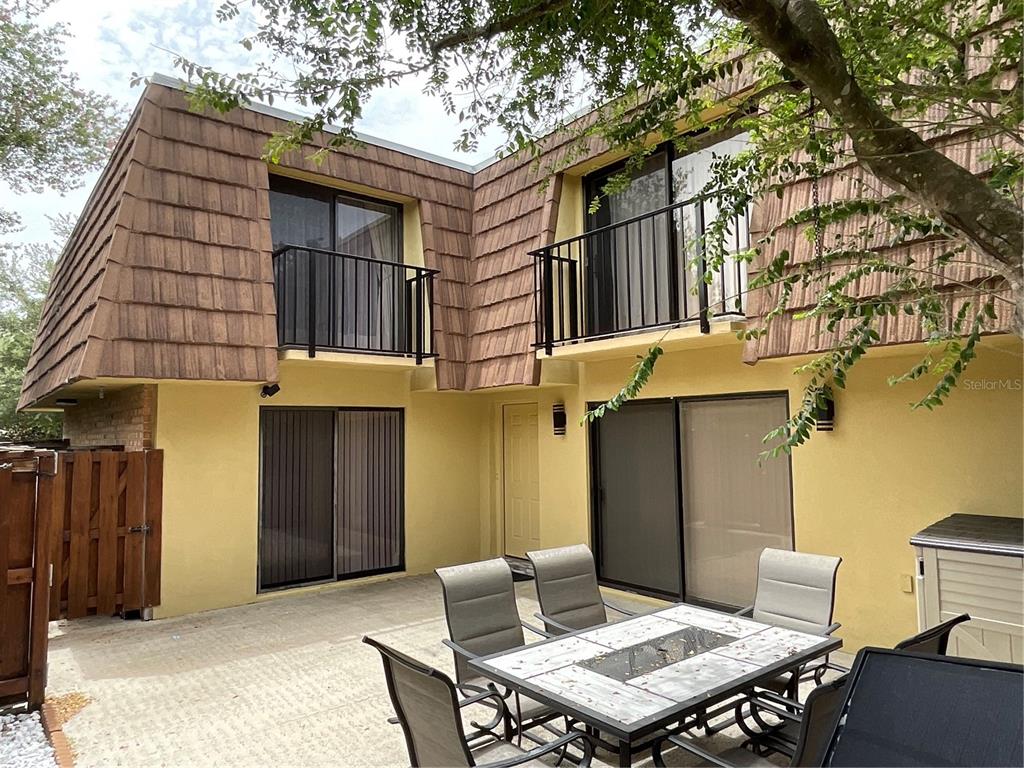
x=278 y=683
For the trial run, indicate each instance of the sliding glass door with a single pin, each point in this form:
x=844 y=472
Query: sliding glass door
x=361 y=302
x=733 y=505
x=636 y=529
x=332 y=494
x=682 y=506
x=630 y=267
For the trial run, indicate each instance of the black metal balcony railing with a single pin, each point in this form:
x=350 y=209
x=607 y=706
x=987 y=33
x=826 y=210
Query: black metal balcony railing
x=640 y=273
x=343 y=303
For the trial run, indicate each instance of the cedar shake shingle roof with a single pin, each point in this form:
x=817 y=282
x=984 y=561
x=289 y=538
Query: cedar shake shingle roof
x=168 y=274
x=957 y=282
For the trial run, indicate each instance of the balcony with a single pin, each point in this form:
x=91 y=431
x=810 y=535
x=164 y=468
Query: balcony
x=639 y=274
x=337 y=302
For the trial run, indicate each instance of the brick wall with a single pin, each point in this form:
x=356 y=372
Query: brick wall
x=122 y=417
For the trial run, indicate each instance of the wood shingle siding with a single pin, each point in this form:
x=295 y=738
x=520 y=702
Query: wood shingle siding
x=957 y=282
x=168 y=274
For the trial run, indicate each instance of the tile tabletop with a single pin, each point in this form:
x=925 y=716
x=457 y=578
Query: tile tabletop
x=635 y=671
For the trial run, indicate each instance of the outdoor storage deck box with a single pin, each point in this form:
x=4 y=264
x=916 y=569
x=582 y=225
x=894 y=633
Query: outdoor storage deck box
x=974 y=564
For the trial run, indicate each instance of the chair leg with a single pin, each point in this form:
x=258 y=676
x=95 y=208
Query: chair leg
x=659 y=759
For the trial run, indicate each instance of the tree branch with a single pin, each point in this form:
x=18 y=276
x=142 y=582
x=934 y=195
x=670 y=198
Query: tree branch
x=797 y=32
x=499 y=25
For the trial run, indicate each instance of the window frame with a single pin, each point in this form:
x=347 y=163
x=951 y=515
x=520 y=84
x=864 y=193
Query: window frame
x=594 y=490
x=299 y=187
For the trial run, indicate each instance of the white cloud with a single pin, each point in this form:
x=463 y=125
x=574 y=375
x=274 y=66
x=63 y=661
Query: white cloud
x=111 y=39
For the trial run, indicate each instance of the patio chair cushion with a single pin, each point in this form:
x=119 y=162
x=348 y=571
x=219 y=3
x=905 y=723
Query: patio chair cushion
x=795 y=590
x=567 y=586
x=480 y=606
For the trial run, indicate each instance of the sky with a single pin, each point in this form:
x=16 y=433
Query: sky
x=111 y=39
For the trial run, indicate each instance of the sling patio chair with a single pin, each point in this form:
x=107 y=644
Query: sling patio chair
x=814 y=730
x=783 y=737
x=480 y=609
x=427 y=705
x=934 y=640
x=567 y=589
x=795 y=590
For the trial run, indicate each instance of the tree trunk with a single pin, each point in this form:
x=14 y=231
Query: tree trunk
x=797 y=32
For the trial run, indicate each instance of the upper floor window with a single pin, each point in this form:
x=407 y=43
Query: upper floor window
x=312 y=216
x=339 y=273
x=640 y=266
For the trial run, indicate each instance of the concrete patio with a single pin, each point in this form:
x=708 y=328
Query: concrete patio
x=278 y=683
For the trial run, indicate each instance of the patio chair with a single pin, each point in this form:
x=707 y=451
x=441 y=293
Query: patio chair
x=567 y=589
x=430 y=713
x=813 y=733
x=934 y=640
x=782 y=737
x=795 y=590
x=480 y=609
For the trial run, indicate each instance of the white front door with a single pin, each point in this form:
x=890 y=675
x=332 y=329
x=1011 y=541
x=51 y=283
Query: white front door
x=521 y=479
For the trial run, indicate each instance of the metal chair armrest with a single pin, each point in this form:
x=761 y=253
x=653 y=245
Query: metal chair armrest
x=748 y=611
x=548 y=621
x=683 y=743
x=572 y=736
x=832 y=628
x=476 y=698
x=535 y=630
x=762 y=696
x=459 y=649
x=623 y=611
x=777 y=705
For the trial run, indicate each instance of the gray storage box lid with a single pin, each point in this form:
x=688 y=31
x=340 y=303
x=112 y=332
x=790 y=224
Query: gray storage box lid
x=975 y=533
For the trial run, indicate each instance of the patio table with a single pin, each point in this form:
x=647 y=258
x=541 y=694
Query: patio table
x=633 y=678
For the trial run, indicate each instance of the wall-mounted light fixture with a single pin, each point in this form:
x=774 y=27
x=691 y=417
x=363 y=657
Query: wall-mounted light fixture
x=558 y=418
x=269 y=390
x=825 y=415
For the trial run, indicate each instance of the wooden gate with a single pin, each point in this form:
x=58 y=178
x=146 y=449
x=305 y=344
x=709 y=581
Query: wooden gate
x=26 y=513
x=106 y=556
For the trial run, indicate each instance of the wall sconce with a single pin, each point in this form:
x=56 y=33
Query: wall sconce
x=825 y=415
x=558 y=418
x=269 y=390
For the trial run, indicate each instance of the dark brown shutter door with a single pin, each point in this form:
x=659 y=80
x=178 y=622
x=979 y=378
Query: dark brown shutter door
x=297 y=509
x=637 y=525
x=370 y=491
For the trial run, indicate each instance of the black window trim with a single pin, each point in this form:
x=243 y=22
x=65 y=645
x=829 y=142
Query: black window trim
x=594 y=470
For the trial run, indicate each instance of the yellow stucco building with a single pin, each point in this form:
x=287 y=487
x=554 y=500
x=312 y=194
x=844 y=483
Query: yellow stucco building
x=378 y=399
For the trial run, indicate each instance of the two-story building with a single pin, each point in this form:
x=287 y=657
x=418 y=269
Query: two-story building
x=361 y=367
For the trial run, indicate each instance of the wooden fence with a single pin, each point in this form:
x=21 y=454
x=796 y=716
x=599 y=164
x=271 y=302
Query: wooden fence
x=106 y=559
x=80 y=534
x=26 y=515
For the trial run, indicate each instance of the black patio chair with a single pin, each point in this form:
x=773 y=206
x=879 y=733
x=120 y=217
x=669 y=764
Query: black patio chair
x=783 y=736
x=429 y=711
x=934 y=640
x=814 y=730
